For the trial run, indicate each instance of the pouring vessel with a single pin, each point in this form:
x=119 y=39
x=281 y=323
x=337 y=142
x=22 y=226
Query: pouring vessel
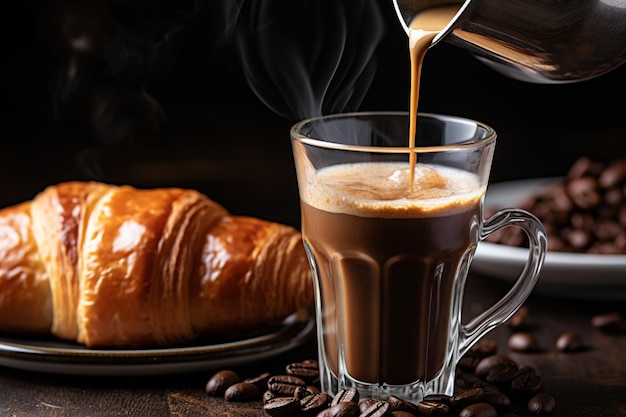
x=540 y=41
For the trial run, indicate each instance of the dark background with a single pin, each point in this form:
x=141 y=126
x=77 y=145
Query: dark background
x=202 y=94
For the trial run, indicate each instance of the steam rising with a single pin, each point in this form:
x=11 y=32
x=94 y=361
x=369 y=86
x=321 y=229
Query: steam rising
x=301 y=58
x=308 y=57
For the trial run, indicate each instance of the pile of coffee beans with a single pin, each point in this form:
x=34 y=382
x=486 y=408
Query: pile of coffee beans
x=488 y=385
x=493 y=378
x=585 y=212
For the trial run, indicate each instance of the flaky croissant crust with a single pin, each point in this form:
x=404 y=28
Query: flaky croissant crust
x=118 y=266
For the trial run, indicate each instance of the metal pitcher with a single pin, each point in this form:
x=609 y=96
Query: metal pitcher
x=540 y=41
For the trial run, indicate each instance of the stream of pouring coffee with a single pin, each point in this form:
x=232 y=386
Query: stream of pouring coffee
x=423 y=28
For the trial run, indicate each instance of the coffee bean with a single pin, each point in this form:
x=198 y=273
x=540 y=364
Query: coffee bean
x=482 y=349
x=541 y=404
x=242 y=391
x=486 y=364
x=284 y=384
x=432 y=408
x=467 y=397
x=583 y=166
x=220 y=381
x=307 y=371
x=569 y=342
x=523 y=342
x=344 y=409
x=519 y=319
x=526 y=370
x=498 y=400
x=479 y=410
x=365 y=403
x=346 y=395
x=526 y=383
x=608 y=322
x=260 y=380
x=496 y=369
x=315 y=403
x=584 y=192
x=577 y=239
x=440 y=398
x=377 y=409
x=301 y=392
x=485 y=347
x=398 y=404
x=282 y=406
x=501 y=374
x=613 y=175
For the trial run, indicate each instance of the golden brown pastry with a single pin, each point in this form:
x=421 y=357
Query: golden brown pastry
x=117 y=266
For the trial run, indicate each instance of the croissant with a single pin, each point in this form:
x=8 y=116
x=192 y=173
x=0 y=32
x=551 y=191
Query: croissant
x=118 y=266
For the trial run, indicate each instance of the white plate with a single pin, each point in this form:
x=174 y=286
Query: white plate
x=54 y=356
x=564 y=274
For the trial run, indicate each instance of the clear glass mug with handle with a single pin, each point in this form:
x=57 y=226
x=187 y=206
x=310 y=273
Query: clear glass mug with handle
x=390 y=233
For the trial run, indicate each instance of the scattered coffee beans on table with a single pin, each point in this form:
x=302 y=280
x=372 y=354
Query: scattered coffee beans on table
x=242 y=391
x=489 y=384
x=523 y=342
x=219 y=383
x=569 y=342
x=610 y=322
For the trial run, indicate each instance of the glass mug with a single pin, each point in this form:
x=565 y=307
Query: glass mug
x=390 y=233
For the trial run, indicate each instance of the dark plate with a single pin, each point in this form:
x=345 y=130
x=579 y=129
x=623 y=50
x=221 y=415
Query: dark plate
x=55 y=356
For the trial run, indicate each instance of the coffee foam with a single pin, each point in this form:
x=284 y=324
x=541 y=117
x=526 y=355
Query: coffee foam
x=382 y=190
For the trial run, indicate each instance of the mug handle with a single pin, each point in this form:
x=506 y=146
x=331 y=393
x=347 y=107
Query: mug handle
x=502 y=310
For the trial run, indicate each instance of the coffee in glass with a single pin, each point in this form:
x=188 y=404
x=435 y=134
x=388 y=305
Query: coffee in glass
x=390 y=232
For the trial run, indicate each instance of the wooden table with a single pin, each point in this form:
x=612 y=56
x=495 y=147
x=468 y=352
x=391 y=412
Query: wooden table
x=587 y=383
